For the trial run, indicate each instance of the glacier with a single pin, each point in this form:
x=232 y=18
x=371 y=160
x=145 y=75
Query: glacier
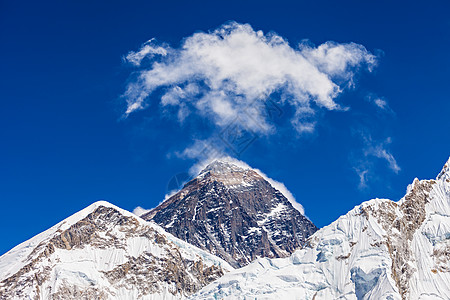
x=381 y=249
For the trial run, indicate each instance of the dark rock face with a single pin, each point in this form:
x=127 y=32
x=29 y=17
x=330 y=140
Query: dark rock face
x=234 y=213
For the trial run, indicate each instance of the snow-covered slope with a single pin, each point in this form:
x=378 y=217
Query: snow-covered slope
x=104 y=252
x=235 y=213
x=381 y=249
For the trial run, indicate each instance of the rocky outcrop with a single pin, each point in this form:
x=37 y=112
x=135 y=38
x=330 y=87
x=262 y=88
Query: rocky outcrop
x=234 y=213
x=381 y=249
x=108 y=253
x=400 y=222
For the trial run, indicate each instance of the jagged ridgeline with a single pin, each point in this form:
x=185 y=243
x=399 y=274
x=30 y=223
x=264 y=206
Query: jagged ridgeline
x=234 y=213
x=380 y=250
x=104 y=252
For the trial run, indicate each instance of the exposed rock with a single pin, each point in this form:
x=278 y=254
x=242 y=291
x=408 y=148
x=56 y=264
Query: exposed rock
x=381 y=249
x=401 y=221
x=110 y=254
x=234 y=213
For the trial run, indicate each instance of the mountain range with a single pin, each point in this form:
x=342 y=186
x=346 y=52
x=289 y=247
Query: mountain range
x=231 y=234
x=381 y=249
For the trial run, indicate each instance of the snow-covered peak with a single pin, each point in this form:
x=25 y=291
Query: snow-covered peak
x=445 y=172
x=103 y=252
x=221 y=167
x=21 y=252
x=236 y=213
x=229 y=172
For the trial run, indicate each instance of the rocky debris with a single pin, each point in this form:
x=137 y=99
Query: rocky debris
x=233 y=213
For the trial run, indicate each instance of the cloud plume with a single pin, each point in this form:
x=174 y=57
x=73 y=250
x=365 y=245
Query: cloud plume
x=222 y=74
x=378 y=149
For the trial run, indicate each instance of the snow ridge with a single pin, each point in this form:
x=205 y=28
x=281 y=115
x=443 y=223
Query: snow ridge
x=381 y=249
x=105 y=252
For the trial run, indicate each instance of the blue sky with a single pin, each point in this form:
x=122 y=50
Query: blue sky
x=65 y=141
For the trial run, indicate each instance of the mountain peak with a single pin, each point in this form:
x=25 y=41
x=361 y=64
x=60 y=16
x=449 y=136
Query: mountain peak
x=222 y=166
x=445 y=172
x=234 y=212
x=228 y=172
x=104 y=251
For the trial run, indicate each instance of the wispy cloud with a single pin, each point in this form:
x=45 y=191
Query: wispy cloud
x=203 y=152
x=139 y=211
x=373 y=149
x=148 y=50
x=222 y=74
x=380 y=103
x=363 y=173
x=380 y=149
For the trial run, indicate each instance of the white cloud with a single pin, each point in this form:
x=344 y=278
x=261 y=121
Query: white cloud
x=139 y=211
x=169 y=194
x=220 y=75
x=380 y=152
x=381 y=103
x=365 y=159
x=363 y=177
x=379 y=149
x=149 y=49
x=203 y=152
